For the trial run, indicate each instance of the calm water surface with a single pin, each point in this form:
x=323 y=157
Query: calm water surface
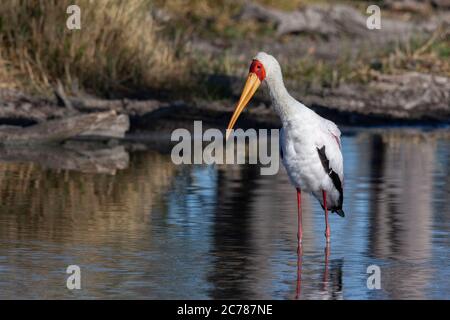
x=140 y=227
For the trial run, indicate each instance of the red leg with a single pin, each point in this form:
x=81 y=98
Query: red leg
x=327 y=227
x=299 y=208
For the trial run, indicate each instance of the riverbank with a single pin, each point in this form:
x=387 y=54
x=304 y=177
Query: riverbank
x=399 y=74
x=412 y=99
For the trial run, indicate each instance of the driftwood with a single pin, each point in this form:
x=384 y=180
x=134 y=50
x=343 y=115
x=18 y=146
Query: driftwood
x=114 y=128
x=103 y=123
x=96 y=159
x=19 y=109
x=337 y=20
x=410 y=96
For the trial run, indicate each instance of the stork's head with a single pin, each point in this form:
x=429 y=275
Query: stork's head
x=263 y=67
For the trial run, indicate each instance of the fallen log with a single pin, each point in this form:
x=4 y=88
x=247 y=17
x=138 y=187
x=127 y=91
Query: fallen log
x=20 y=109
x=115 y=128
x=53 y=131
x=408 y=96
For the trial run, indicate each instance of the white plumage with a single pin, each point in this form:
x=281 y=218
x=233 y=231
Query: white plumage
x=299 y=140
x=302 y=134
x=309 y=144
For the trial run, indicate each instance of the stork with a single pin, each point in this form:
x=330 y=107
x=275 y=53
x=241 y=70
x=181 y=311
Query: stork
x=310 y=145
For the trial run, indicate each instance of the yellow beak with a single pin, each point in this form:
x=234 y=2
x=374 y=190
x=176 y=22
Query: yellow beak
x=251 y=85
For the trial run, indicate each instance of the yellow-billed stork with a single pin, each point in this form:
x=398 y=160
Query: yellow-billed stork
x=310 y=146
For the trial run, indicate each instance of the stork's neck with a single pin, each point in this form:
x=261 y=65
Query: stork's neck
x=284 y=104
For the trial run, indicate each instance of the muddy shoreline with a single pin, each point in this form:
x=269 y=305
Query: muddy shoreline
x=342 y=106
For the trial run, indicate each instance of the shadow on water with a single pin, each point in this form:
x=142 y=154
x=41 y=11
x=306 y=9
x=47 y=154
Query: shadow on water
x=141 y=227
x=232 y=245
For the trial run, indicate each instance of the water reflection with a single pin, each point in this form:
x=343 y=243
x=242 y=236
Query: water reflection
x=231 y=235
x=141 y=227
x=401 y=211
x=329 y=286
x=76 y=156
x=402 y=197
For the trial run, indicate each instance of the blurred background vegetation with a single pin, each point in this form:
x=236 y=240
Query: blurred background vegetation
x=172 y=48
x=118 y=47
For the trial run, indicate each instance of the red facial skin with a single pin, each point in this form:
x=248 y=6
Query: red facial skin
x=258 y=68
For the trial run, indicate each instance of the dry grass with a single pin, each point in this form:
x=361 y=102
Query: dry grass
x=288 y=5
x=211 y=19
x=430 y=55
x=7 y=79
x=120 y=49
x=427 y=55
x=117 y=49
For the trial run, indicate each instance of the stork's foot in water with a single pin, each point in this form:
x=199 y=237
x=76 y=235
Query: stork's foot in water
x=328 y=234
x=299 y=236
x=299 y=248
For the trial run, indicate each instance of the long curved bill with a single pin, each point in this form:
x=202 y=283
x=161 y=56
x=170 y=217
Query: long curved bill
x=251 y=85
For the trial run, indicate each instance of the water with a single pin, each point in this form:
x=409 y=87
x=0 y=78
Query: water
x=140 y=227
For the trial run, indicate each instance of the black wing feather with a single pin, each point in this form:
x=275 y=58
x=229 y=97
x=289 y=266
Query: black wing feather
x=334 y=178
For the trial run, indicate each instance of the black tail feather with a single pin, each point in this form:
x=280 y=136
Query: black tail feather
x=339 y=212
